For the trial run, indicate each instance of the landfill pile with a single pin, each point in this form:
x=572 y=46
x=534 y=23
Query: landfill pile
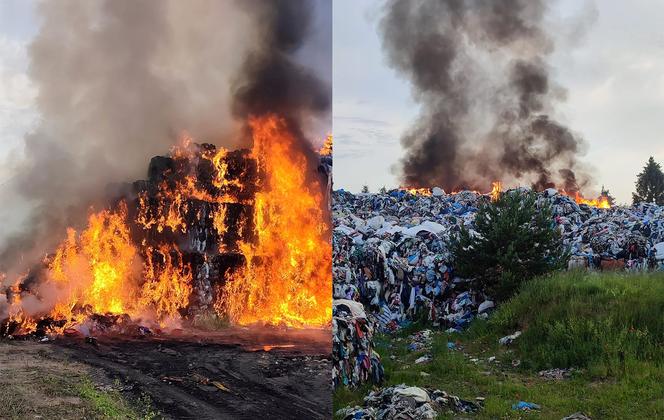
x=391 y=249
x=353 y=356
x=408 y=402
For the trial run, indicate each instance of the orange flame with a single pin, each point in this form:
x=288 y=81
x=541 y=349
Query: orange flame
x=168 y=281
x=101 y=260
x=98 y=271
x=601 y=202
x=496 y=190
x=417 y=191
x=326 y=150
x=287 y=277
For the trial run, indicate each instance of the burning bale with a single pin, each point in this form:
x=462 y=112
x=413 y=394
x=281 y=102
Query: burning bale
x=241 y=233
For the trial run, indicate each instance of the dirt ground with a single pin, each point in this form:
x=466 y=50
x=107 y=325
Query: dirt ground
x=237 y=373
x=35 y=382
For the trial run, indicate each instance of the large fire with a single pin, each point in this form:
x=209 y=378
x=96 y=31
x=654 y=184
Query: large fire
x=128 y=261
x=287 y=275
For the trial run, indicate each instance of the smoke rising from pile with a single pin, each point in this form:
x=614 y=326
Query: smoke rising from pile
x=478 y=69
x=272 y=79
x=120 y=80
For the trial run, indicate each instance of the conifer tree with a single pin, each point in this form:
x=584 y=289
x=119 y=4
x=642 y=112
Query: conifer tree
x=650 y=184
x=515 y=239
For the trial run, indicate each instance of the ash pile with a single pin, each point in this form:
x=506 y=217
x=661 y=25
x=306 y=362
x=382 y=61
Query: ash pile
x=391 y=250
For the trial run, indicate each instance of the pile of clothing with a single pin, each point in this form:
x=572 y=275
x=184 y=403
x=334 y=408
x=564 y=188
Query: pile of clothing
x=391 y=249
x=408 y=402
x=421 y=340
x=354 y=360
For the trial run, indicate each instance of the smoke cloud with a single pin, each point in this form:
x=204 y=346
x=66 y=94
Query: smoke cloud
x=120 y=80
x=478 y=69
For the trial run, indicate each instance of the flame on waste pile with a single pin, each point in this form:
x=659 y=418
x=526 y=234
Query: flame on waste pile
x=417 y=191
x=326 y=150
x=601 y=202
x=287 y=277
x=496 y=190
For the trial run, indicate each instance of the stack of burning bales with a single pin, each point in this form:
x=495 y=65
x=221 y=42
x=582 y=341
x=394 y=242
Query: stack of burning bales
x=203 y=202
x=187 y=222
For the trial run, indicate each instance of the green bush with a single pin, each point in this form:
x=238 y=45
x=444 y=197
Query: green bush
x=515 y=241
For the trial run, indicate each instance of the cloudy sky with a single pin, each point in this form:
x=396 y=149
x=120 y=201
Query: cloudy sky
x=17 y=93
x=608 y=56
x=613 y=71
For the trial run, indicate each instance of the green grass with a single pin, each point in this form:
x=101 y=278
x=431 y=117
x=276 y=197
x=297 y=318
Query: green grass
x=608 y=325
x=105 y=404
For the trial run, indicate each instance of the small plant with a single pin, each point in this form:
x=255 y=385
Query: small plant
x=147 y=408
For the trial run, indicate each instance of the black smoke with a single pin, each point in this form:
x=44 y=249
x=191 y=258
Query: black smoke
x=478 y=69
x=272 y=80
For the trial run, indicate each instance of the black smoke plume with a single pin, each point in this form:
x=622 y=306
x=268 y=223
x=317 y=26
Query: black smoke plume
x=272 y=80
x=478 y=69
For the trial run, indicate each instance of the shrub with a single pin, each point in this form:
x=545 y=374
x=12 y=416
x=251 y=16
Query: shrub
x=514 y=240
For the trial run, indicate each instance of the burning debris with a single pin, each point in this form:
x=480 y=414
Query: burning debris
x=240 y=232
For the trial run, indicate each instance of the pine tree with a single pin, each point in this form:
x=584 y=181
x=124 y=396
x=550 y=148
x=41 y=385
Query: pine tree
x=514 y=240
x=365 y=189
x=650 y=184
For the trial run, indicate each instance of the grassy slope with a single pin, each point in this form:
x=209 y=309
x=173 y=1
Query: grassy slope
x=611 y=326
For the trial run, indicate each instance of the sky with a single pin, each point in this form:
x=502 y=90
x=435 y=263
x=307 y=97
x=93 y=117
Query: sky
x=17 y=93
x=614 y=74
x=608 y=56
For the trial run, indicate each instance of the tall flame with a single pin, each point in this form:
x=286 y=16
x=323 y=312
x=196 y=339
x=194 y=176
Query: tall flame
x=167 y=281
x=326 y=150
x=98 y=272
x=496 y=190
x=287 y=277
x=96 y=268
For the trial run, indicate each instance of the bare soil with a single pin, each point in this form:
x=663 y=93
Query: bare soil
x=36 y=383
x=236 y=373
